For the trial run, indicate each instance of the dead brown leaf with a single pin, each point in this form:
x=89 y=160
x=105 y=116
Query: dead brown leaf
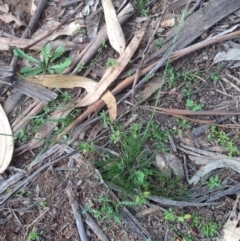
x=114 y=30
x=71 y=81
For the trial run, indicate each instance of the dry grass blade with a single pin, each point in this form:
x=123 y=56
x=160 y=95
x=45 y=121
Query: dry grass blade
x=114 y=30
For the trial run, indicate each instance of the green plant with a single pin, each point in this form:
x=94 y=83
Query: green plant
x=145 y=12
x=159 y=43
x=21 y=136
x=86 y=147
x=134 y=169
x=33 y=235
x=192 y=105
x=142 y=7
x=214 y=182
x=224 y=140
x=170 y=215
x=23 y=192
x=182 y=123
x=209 y=229
x=103 y=43
x=195 y=220
x=108 y=209
x=43 y=203
x=111 y=62
x=190 y=237
x=46 y=64
x=81 y=67
x=215 y=77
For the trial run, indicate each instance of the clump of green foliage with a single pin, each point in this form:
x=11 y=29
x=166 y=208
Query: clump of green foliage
x=224 y=140
x=134 y=170
x=47 y=62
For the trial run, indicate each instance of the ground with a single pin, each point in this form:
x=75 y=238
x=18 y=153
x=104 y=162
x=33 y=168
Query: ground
x=41 y=208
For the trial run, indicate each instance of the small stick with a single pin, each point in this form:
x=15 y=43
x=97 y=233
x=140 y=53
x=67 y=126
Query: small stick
x=77 y=214
x=54 y=29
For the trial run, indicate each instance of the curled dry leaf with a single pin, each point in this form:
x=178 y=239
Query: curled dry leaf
x=114 y=30
x=71 y=81
x=8 y=18
x=114 y=71
x=6 y=141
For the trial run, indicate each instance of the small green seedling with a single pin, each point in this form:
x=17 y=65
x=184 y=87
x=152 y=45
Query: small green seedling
x=192 y=105
x=170 y=215
x=224 y=140
x=111 y=62
x=214 y=182
x=209 y=229
x=215 y=77
x=46 y=64
x=33 y=235
x=86 y=147
x=43 y=203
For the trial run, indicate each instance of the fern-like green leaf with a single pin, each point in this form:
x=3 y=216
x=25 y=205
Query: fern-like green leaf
x=58 y=52
x=23 y=55
x=59 y=68
x=33 y=72
x=46 y=54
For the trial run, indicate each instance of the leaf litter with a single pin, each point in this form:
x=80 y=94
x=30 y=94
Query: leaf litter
x=109 y=85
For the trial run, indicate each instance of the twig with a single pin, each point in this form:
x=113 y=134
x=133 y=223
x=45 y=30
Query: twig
x=36 y=219
x=94 y=226
x=69 y=3
x=54 y=29
x=232 y=190
x=77 y=214
x=29 y=29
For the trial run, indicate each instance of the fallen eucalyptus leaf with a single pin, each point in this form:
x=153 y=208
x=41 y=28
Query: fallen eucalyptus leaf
x=71 y=81
x=114 y=30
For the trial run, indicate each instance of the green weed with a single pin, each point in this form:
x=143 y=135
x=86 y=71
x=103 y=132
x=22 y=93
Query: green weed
x=169 y=215
x=215 y=77
x=192 y=105
x=158 y=43
x=209 y=229
x=43 y=203
x=109 y=209
x=214 y=182
x=141 y=6
x=224 y=140
x=134 y=170
x=86 y=147
x=33 y=235
x=46 y=64
x=111 y=62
